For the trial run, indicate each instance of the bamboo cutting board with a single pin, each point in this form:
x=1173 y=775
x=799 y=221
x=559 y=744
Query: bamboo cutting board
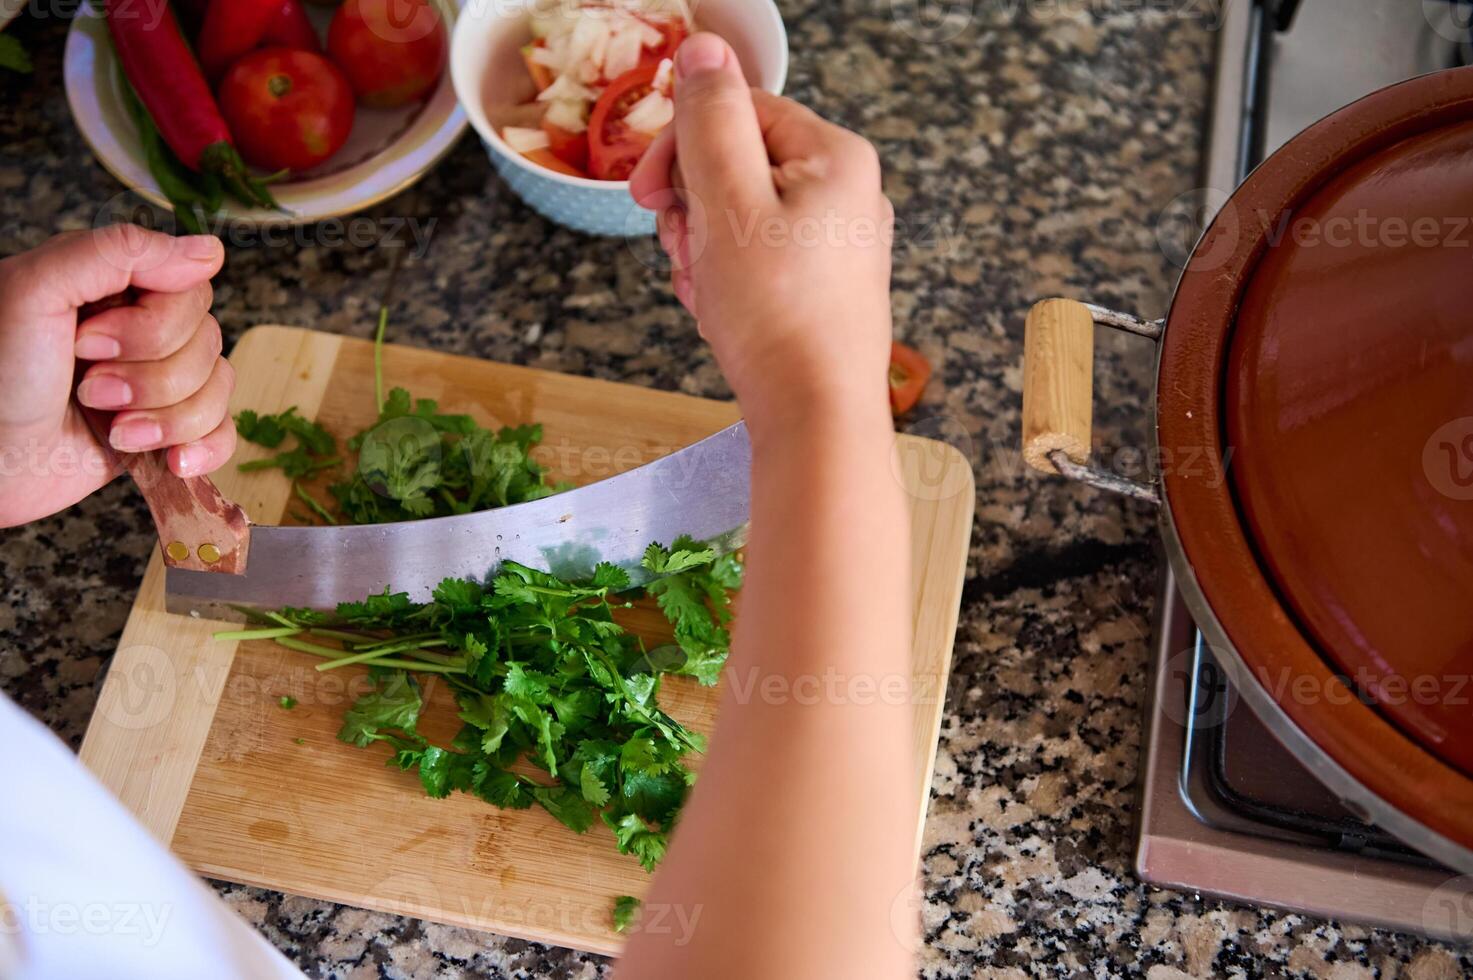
x=189 y=732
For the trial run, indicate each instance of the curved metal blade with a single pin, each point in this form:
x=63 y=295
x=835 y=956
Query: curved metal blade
x=702 y=490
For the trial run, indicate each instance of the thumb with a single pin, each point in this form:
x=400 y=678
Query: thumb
x=72 y=270
x=718 y=138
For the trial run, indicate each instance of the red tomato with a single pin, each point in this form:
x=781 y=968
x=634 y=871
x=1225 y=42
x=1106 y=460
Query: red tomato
x=545 y=158
x=569 y=147
x=393 y=51
x=614 y=148
x=909 y=372
x=675 y=31
x=288 y=110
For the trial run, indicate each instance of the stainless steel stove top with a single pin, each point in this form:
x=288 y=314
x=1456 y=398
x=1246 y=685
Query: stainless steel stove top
x=1225 y=809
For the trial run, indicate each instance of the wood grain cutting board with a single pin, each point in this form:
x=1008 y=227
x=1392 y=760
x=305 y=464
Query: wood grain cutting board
x=190 y=734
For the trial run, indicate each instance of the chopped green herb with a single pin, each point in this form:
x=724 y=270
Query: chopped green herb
x=299 y=740
x=543 y=676
x=626 y=912
x=287 y=702
x=414 y=462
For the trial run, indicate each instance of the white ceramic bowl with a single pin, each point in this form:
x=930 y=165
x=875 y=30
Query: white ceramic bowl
x=489 y=75
x=388 y=150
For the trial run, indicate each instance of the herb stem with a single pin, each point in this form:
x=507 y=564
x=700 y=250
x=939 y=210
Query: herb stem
x=316 y=649
x=416 y=665
x=272 y=633
x=343 y=635
x=378 y=356
x=355 y=658
x=311 y=502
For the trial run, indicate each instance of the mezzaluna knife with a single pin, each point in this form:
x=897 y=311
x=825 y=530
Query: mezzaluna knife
x=220 y=564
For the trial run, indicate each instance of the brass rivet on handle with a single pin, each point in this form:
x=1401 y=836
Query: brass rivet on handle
x=177 y=550
x=209 y=554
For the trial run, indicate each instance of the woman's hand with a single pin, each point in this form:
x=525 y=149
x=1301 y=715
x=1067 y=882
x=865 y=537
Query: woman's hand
x=154 y=361
x=779 y=236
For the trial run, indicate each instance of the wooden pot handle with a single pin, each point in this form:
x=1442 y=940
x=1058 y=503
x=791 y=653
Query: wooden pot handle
x=199 y=529
x=1058 y=382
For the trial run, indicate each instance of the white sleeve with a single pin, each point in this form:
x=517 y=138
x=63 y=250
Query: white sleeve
x=86 y=892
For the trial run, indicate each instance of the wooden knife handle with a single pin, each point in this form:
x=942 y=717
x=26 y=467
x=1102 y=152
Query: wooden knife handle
x=199 y=529
x=1058 y=382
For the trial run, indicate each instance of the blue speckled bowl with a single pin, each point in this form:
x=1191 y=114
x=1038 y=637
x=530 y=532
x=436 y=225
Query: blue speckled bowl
x=490 y=79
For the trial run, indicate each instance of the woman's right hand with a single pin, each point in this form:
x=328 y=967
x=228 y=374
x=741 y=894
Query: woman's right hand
x=779 y=237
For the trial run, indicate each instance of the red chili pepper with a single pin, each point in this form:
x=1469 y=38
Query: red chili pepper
x=232 y=28
x=909 y=372
x=162 y=69
x=290 y=28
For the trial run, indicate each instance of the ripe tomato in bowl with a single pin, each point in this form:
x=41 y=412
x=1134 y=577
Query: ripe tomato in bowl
x=614 y=147
x=393 y=51
x=288 y=110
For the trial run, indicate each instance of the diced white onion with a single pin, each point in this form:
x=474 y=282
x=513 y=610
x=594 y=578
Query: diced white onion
x=650 y=114
x=586 y=43
x=623 y=54
x=649 y=35
x=664 y=74
x=564 y=89
x=525 y=140
x=569 y=115
x=589 y=40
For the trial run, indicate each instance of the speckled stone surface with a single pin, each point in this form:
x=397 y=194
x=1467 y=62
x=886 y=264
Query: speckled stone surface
x=1029 y=148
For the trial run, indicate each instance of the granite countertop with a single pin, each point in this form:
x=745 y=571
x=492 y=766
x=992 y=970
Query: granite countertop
x=1029 y=149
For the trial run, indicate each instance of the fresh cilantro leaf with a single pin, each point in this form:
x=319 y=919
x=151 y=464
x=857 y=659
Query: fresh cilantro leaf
x=529 y=684
x=566 y=805
x=377 y=610
x=626 y=913
x=635 y=837
x=610 y=577
x=501 y=788
x=441 y=771
x=489 y=713
x=263 y=430
x=459 y=595
x=393 y=704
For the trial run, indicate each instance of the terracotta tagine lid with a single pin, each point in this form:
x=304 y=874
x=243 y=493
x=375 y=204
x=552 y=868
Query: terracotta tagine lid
x=1321 y=343
x=1349 y=400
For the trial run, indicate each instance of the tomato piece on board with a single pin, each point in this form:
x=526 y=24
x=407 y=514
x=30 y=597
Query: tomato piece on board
x=567 y=146
x=614 y=148
x=541 y=74
x=545 y=158
x=909 y=372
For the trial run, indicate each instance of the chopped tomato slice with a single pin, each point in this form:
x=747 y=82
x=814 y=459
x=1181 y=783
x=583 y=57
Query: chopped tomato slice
x=674 y=32
x=909 y=372
x=541 y=74
x=614 y=148
x=567 y=146
x=545 y=158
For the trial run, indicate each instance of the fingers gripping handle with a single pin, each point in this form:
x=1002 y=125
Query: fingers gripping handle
x=199 y=529
x=1058 y=382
